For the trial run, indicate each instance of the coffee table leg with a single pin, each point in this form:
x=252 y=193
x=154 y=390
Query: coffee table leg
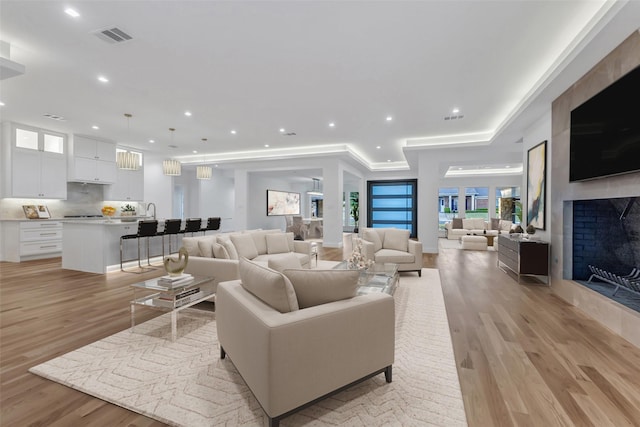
x=174 y=315
x=133 y=316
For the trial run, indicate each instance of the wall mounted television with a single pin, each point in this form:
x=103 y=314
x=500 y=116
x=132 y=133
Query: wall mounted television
x=282 y=203
x=605 y=131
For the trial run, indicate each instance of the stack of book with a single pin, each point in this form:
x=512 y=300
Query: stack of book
x=168 y=299
x=174 y=281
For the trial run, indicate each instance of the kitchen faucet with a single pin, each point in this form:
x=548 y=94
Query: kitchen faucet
x=154 y=209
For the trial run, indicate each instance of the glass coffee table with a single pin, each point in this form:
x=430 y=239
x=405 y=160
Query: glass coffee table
x=379 y=278
x=171 y=299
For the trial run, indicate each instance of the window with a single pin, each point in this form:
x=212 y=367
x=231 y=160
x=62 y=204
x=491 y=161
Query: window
x=477 y=202
x=447 y=205
x=393 y=204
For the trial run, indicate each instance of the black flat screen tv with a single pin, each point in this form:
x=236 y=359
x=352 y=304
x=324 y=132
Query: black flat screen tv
x=605 y=131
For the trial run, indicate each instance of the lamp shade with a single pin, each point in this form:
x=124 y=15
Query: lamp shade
x=203 y=172
x=127 y=160
x=171 y=167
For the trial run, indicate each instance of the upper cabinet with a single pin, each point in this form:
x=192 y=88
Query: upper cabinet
x=34 y=162
x=92 y=160
x=129 y=185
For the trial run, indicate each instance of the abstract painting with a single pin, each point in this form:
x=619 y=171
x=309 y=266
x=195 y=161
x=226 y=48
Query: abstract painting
x=536 y=185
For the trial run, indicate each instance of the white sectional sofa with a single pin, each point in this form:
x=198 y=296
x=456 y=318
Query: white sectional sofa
x=217 y=255
x=469 y=226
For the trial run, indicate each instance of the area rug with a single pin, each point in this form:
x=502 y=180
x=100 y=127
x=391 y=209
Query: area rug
x=184 y=383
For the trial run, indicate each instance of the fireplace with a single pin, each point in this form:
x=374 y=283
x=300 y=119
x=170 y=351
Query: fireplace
x=606 y=234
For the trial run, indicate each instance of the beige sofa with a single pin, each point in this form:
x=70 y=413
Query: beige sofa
x=476 y=226
x=217 y=255
x=394 y=246
x=301 y=335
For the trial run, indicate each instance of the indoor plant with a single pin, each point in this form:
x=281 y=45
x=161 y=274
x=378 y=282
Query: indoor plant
x=128 y=210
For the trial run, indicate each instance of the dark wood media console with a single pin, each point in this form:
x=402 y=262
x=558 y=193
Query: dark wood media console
x=524 y=257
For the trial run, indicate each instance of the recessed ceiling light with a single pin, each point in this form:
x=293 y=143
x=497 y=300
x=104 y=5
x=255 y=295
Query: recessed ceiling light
x=266 y=145
x=1 y=104
x=388 y=160
x=508 y=166
x=389 y=118
x=95 y=127
x=215 y=166
x=331 y=125
x=151 y=141
x=455 y=110
x=71 y=12
x=233 y=132
x=195 y=151
x=103 y=79
x=187 y=113
x=282 y=130
x=378 y=147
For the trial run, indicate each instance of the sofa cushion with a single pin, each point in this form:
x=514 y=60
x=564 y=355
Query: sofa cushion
x=394 y=256
x=206 y=248
x=277 y=243
x=456 y=223
x=505 y=225
x=231 y=249
x=495 y=224
x=315 y=287
x=371 y=235
x=219 y=251
x=396 y=239
x=281 y=262
x=191 y=245
x=245 y=245
x=270 y=286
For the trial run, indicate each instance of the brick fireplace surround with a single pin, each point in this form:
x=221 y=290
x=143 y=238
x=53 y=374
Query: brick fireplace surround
x=616 y=317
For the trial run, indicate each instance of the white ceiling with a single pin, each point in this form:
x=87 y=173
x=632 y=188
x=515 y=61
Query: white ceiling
x=258 y=66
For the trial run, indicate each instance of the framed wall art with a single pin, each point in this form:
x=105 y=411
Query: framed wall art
x=537 y=185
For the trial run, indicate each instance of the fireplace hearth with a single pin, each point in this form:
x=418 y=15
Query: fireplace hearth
x=606 y=234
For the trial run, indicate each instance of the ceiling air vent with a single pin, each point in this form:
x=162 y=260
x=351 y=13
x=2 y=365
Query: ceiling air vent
x=289 y=134
x=454 y=117
x=113 y=35
x=55 y=117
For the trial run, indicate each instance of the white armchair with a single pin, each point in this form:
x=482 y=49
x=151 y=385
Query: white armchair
x=392 y=245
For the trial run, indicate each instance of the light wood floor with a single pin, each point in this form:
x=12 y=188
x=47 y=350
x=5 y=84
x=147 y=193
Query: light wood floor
x=524 y=356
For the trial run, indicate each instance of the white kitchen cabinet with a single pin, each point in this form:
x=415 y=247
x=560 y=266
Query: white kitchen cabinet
x=26 y=240
x=92 y=160
x=34 y=163
x=129 y=186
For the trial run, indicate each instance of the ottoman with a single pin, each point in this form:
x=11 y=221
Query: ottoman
x=478 y=243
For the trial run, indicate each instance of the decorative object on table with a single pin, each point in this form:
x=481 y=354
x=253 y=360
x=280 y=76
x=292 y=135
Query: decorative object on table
x=516 y=230
x=531 y=229
x=355 y=209
x=357 y=259
x=128 y=210
x=108 y=211
x=36 y=212
x=536 y=185
x=175 y=267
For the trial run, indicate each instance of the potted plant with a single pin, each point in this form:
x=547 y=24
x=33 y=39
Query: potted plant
x=128 y=210
x=355 y=210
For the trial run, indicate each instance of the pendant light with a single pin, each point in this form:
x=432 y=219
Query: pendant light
x=171 y=167
x=204 y=172
x=126 y=159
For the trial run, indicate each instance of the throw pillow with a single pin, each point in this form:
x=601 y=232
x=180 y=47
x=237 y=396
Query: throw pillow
x=245 y=245
x=228 y=245
x=468 y=223
x=495 y=224
x=315 y=287
x=284 y=261
x=396 y=239
x=269 y=286
x=191 y=245
x=220 y=251
x=277 y=243
x=456 y=223
x=290 y=240
x=370 y=235
x=505 y=225
x=206 y=248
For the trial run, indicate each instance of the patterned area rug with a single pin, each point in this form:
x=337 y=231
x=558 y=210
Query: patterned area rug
x=184 y=383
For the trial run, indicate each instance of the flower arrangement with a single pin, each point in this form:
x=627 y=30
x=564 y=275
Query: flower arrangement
x=128 y=208
x=357 y=259
x=108 y=211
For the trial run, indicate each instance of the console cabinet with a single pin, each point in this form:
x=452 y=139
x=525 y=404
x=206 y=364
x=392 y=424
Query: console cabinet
x=524 y=257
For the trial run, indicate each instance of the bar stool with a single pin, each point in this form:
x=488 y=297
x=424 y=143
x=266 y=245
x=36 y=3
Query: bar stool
x=146 y=229
x=171 y=227
x=213 y=224
x=192 y=226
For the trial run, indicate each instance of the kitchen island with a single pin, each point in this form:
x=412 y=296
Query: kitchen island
x=94 y=246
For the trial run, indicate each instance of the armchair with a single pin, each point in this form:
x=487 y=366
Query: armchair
x=392 y=245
